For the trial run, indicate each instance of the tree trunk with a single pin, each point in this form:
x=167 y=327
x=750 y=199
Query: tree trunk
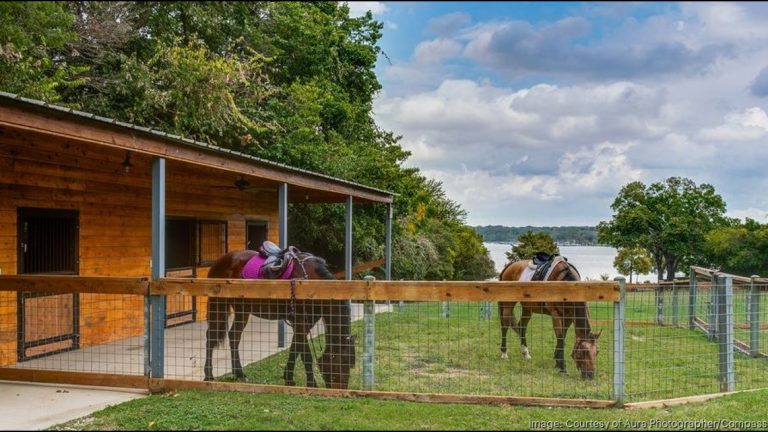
x=671 y=268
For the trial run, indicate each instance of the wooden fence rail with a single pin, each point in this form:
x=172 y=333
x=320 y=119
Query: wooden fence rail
x=75 y=284
x=391 y=290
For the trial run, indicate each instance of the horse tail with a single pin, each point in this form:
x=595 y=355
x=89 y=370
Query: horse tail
x=217 y=320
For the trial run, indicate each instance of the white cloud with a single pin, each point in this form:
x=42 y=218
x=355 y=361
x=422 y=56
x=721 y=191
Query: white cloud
x=760 y=215
x=359 y=8
x=746 y=125
x=670 y=94
x=436 y=50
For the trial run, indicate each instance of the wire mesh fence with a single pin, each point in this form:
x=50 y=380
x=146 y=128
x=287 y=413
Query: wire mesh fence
x=705 y=335
x=74 y=332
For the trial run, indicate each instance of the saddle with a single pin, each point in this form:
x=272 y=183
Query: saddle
x=543 y=262
x=276 y=260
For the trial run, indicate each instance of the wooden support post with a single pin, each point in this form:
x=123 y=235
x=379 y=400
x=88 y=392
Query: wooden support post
x=157 y=302
x=725 y=333
x=618 y=342
x=445 y=309
x=282 y=229
x=369 y=341
x=692 y=300
x=754 y=318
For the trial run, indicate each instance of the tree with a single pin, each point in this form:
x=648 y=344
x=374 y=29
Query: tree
x=291 y=82
x=631 y=260
x=530 y=243
x=668 y=219
x=741 y=248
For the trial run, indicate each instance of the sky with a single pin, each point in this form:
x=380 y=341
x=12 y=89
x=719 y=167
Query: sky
x=538 y=113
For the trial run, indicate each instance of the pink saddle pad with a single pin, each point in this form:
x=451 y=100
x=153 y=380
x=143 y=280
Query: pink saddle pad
x=252 y=269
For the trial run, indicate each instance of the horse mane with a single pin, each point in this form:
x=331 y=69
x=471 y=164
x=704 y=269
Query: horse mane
x=581 y=312
x=321 y=266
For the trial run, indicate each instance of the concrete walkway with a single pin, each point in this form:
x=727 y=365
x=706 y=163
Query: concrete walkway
x=184 y=350
x=28 y=406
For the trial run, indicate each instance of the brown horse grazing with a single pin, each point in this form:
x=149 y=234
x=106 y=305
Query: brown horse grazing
x=563 y=314
x=339 y=354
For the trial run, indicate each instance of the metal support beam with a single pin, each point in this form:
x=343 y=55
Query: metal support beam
x=675 y=304
x=725 y=333
x=282 y=229
x=157 y=303
x=754 y=318
x=369 y=341
x=712 y=309
x=388 y=244
x=618 y=342
x=692 y=300
x=348 y=241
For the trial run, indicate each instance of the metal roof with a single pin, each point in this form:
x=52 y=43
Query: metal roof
x=182 y=140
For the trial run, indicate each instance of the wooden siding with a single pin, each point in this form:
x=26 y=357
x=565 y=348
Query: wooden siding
x=115 y=219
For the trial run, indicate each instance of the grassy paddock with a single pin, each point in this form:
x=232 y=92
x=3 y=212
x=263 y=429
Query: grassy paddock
x=196 y=410
x=419 y=350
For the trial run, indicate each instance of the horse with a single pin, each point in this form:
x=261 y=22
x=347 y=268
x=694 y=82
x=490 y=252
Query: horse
x=339 y=354
x=563 y=314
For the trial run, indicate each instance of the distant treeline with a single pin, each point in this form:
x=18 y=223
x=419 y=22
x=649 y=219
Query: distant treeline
x=581 y=235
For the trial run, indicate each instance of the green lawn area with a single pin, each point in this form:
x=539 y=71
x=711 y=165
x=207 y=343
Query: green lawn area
x=197 y=410
x=418 y=350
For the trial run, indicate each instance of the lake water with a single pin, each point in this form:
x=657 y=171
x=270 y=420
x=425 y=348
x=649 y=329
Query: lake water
x=591 y=261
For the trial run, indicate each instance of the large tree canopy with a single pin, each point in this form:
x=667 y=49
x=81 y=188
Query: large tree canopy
x=290 y=82
x=530 y=243
x=740 y=248
x=669 y=219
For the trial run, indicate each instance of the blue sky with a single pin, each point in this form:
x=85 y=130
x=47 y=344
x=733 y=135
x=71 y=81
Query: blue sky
x=538 y=113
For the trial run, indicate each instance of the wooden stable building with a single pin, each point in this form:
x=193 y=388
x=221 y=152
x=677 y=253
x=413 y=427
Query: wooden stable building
x=91 y=196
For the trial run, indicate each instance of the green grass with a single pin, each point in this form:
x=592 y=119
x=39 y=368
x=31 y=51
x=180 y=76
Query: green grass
x=197 y=410
x=417 y=350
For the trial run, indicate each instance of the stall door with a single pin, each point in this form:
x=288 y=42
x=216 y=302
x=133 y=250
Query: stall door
x=47 y=244
x=180 y=241
x=255 y=235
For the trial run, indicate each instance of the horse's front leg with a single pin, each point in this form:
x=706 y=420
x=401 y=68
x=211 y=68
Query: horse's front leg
x=507 y=318
x=522 y=329
x=235 y=333
x=558 y=325
x=306 y=358
x=290 y=365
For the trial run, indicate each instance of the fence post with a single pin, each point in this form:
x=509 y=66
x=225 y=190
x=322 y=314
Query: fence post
x=725 y=333
x=485 y=310
x=157 y=303
x=712 y=309
x=369 y=337
x=692 y=300
x=445 y=309
x=754 y=318
x=659 y=302
x=675 y=304
x=618 y=342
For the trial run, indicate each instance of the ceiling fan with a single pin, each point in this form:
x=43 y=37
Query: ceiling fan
x=242 y=184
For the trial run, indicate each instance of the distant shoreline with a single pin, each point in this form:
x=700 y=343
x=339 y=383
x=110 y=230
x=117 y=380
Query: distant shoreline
x=558 y=244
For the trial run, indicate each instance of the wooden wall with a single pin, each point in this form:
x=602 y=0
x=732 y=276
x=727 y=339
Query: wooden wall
x=115 y=219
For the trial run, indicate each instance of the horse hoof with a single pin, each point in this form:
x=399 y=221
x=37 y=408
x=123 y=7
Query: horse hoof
x=208 y=379
x=527 y=356
x=290 y=383
x=504 y=356
x=562 y=371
